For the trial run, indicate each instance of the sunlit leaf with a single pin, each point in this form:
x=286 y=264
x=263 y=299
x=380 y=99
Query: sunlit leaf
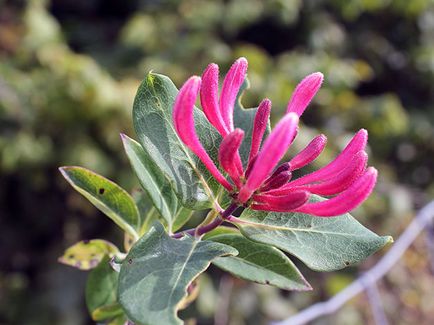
x=152 y=114
x=107 y=196
x=323 y=244
x=157 y=271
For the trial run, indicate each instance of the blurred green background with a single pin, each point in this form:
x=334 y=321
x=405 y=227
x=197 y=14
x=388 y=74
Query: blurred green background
x=69 y=70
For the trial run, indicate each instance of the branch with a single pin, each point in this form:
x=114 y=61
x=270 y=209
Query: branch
x=376 y=305
x=422 y=220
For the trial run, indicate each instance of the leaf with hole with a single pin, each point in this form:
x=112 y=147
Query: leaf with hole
x=107 y=196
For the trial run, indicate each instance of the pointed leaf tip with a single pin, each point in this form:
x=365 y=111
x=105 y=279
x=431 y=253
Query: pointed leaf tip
x=106 y=195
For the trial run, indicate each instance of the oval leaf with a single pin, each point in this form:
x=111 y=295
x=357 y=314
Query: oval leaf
x=152 y=179
x=107 y=196
x=258 y=262
x=152 y=115
x=156 y=184
x=101 y=289
x=323 y=244
x=157 y=271
x=87 y=254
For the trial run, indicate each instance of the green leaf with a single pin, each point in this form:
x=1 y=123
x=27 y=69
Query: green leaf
x=87 y=254
x=152 y=115
x=101 y=289
x=243 y=119
x=119 y=320
x=257 y=262
x=154 y=182
x=323 y=244
x=107 y=312
x=157 y=271
x=181 y=217
x=143 y=203
x=157 y=186
x=107 y=196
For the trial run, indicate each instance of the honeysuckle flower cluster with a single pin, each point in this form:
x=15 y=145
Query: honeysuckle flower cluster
x=263 y=184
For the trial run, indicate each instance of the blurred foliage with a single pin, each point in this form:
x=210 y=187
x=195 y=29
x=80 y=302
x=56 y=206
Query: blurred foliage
x=69 y=70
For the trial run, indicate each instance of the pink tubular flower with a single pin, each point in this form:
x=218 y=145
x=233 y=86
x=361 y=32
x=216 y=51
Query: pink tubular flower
x=263 y=185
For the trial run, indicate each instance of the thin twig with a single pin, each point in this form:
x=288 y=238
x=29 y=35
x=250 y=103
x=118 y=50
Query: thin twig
x=430 y=243
x=423 y=218
x=374 y=298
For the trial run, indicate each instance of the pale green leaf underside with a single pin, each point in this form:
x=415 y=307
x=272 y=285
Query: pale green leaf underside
x=107 y=196
x=153 y=122
x=258 y=262
x=152 y=179
x=157 y=271
x=323 y=244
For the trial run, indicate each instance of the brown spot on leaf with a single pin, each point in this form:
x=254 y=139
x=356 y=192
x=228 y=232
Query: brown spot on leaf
x=101 y=190
x=130 y=261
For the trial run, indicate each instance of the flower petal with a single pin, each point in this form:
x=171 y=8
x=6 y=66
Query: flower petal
x=184 y=125
x=309 y=153
x=231 y=86
x=259 y=125
x=272 y=151
x=209 y=98
x=358 y=143
x=276 y=181
x=285 y=203
x=343 y=180
x=304 y=93
x=348 y=200
x=283 y=167
x=228 y=152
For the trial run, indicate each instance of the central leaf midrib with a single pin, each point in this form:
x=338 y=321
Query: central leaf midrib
x=261 y=225
x=181 y=271
x=258 y=266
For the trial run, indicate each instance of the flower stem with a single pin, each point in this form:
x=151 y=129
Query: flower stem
x=212 y=225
